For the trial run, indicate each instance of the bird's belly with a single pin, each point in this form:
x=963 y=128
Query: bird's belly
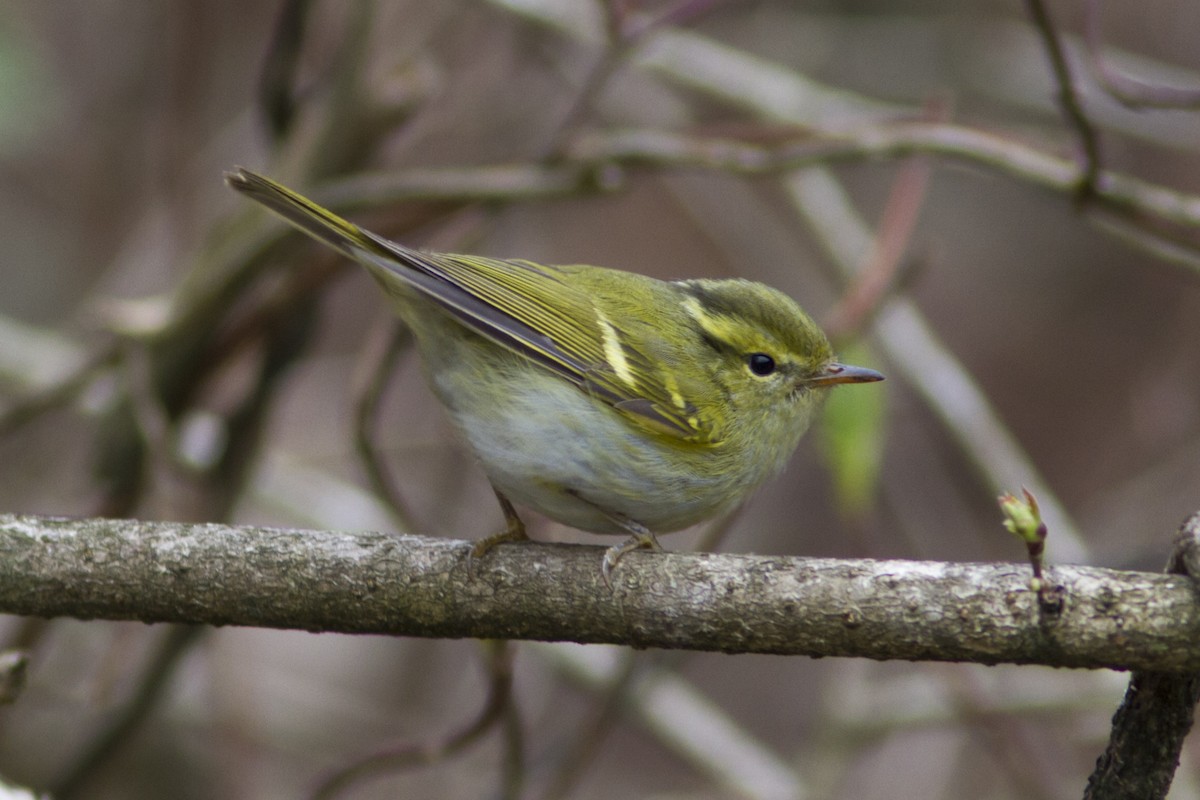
x=547 y=446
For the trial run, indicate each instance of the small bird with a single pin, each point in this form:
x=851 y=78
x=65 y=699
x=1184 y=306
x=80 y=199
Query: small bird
x=609 y=401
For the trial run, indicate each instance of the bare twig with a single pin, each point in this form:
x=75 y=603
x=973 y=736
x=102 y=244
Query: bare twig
x=870 y=283
x=64 y=391
x=1128 y=91
x=626 y=33
x=176 y=643
x=684 y=720
x=409 y=754
x=591 y=733
x=381 y=356
x=1068 y=97
x=13 y=666
x=512 y=763
x=889 y=140
x=276 y=85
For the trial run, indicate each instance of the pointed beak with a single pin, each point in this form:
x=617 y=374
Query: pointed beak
x=837 y=373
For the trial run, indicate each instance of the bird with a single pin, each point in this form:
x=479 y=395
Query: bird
x=607 y=400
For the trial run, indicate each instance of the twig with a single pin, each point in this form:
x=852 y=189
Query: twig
x=909 y=343
x=887 y=140
x=1068 y=97
x=512 y=762
x=408 y=754
x=381 y=356
x=607 y=702
x=1119 y=194
x=153 y=684
x=1128 y=91
x=13 y=667
x=626 y=33
x=276 y=89
x=33 y=406
x=685 y=721
x=264 y=315
x=869 y=285
x=1173 y=249
x=1024 y=520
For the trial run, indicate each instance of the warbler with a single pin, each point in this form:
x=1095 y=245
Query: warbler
x=609 y=401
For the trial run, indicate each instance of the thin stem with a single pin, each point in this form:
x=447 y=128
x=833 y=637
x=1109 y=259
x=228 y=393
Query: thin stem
x=151 y=689
x=1068 y=97
x=1128 y=91
x=410 y=754
x=381 y=357
x=602 y=717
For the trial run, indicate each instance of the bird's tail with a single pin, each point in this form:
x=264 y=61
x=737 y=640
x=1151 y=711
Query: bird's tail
x=296 y=209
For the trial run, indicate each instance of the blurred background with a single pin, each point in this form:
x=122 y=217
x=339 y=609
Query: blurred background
x=167 y=352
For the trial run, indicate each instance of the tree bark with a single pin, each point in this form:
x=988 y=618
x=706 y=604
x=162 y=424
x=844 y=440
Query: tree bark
x=363 y=582
x=1156 y=715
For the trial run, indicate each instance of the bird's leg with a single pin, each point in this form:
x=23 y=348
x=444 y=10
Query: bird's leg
x=514 y=531
x=641 y=539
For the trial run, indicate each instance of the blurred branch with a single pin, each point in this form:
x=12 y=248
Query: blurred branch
x=380 y=357
x=64 y=391
x=11 y=792
x=14 y=665
x=781 y=95
x=412 y=586
x=866 y=291
x=609 y=697
x=509 y=183
x=177 y=642
x=411 y=754
x=680 y=716
x=1169 y=248
x=276 y=85
x=626 y=31
x=37 y=359
x=1128 y=91
x=1116 y=191
x=925 y=361
x=1068 y=96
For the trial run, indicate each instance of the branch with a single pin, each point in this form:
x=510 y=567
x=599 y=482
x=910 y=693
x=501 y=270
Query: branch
x=1119 y=191
x=1127 y=90
x=1068 y=95
x=1156 y=715
x=362 y=582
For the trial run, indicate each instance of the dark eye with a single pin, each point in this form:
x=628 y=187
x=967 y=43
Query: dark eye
x=760 y=364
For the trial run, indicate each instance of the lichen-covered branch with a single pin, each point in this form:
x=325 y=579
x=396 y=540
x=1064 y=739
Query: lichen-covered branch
x=363 y=582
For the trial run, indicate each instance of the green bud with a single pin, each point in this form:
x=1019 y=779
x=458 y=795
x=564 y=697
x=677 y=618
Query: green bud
x=1023 y=517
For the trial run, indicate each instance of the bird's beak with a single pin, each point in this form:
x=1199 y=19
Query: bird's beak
x=837 y=373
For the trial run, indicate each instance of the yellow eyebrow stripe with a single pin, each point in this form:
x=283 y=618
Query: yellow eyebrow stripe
x=614 y=353
x=706 y=321
x=715 y=325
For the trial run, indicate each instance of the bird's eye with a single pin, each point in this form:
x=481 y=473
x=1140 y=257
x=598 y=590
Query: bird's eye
x=760 y=364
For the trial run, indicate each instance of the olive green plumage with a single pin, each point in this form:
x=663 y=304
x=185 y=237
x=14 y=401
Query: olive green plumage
x=606 y=400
